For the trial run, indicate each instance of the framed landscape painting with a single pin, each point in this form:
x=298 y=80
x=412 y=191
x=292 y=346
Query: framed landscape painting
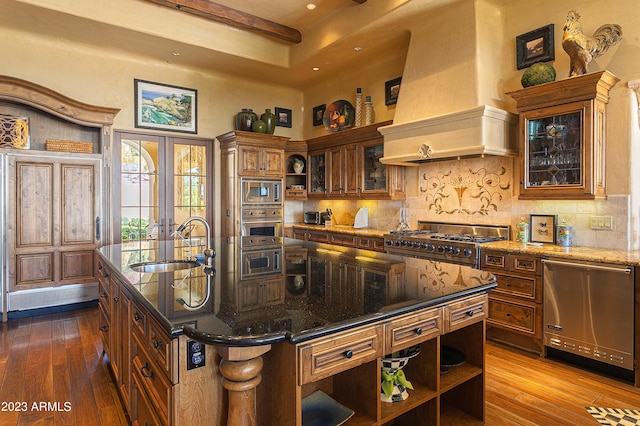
x=164 y=107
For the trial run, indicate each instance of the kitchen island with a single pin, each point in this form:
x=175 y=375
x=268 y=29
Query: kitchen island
x=191 y=347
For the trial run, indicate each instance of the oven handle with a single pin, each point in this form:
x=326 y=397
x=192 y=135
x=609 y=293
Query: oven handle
x=625 y=270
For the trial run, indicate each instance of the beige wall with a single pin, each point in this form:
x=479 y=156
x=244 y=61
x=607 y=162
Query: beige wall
x=105 y=77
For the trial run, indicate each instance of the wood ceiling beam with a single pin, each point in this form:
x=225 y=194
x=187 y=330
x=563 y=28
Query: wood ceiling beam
x=226 y=15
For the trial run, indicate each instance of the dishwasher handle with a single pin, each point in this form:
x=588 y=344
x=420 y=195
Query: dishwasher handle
x=625 y=270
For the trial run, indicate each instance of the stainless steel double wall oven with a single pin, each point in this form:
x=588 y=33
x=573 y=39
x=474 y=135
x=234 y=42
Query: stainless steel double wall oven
x=261 y=227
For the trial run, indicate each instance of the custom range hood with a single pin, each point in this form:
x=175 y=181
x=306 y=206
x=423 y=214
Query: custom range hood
x=483 y=130
x=447 y=107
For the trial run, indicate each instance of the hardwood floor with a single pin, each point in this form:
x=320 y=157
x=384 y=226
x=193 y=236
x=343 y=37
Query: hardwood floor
x=55 y=361
x=52 y=372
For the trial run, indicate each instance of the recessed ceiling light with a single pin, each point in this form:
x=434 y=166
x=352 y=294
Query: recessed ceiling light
x=315 y=69
x=175 y=53
x=357 y=48
x=311 y=6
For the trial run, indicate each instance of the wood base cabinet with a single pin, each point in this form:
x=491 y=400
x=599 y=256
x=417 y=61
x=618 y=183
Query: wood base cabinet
x=347 y=367
x=515 y=306
x=149 y=366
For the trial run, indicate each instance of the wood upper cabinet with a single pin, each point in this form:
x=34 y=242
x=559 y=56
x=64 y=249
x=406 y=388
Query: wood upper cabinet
x=261 y=161
x=258 y=155
x=346 y=165
x=52 y=225
x=562 y=137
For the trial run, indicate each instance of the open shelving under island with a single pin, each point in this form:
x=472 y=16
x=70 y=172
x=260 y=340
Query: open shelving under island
x=185 y=347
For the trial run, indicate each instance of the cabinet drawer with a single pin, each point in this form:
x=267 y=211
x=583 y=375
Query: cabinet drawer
x=494 y=260
x=138 y=321
x=153 y=381
x=516 y=286
x=343 y=240
x=517 y=316
x=412 y=329
x=144 y=413
x=464 y=313
x=329 y=356
x=159 y=345
x=526 y=264
x=318 y=236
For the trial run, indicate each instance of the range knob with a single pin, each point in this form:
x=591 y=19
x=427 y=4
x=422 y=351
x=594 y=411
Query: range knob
x=440 y=249
x=456 y=251
x=397 y=243
x=448 y=249
x=424 y=245
x=403 y=242
x=431 y=247
x=389 y=242
x=467 y=252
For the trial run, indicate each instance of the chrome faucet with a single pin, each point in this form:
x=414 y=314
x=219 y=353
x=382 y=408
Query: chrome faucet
x=209 y=252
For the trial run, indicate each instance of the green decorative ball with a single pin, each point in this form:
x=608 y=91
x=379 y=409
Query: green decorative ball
x=538 y=73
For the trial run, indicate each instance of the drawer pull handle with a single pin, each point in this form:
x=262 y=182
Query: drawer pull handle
x=103 y=295
x=157 y=344
x=508 y=284
x=146 y=367
x=104 y=328
x=470 y=313
x=508 y=314
x=418 y=331
x=348 y=354
x=116 y=299
x=137 y=317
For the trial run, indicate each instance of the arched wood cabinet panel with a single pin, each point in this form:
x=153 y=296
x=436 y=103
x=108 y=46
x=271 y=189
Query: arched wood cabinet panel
x=55 y=213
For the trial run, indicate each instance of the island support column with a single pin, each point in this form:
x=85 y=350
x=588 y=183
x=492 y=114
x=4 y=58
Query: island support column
x=241 y=369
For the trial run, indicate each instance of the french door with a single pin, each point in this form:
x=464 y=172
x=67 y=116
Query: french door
x=160 y=182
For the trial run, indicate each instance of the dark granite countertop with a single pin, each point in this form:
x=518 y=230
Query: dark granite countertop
x=373 y=286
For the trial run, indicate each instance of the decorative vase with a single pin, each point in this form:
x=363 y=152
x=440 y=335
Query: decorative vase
x=245 y=119
x=394 y=384
x=298 y=167
x=368 y=111
x=259 y=126
x=358 y=121
x=270 y=120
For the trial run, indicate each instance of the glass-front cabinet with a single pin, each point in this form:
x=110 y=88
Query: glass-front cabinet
x=562 y=137
x=347 y=165
x=554 y=151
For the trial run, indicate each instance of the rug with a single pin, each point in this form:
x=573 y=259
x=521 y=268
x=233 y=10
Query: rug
x=615 y=416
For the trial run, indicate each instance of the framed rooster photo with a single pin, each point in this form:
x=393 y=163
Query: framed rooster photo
x=535 y=46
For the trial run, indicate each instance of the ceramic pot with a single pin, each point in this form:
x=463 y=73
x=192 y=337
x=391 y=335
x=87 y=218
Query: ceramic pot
x=298 y=167
x=245 y=119
x=270 y=120
x=259 y=126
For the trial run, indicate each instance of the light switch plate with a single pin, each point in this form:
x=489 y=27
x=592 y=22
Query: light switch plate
x=601 y=222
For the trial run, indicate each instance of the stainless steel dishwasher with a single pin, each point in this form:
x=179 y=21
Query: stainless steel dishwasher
x=589 y=310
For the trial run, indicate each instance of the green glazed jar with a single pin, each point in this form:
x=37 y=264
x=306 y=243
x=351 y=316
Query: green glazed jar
x=259 y=126
x=245 y=119
x=270 y=120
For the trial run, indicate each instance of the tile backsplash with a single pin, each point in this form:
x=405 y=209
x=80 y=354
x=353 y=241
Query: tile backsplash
x=481 y=191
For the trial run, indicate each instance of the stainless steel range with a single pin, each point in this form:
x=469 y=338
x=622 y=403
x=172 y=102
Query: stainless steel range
x=456 y=243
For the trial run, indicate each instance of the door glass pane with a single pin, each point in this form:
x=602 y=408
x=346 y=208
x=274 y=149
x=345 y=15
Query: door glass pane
x=189 y=190
x=375 y=177
x=555 y=150
x=139 y=189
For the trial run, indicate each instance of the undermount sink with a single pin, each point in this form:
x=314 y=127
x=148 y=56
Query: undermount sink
x=164 y=266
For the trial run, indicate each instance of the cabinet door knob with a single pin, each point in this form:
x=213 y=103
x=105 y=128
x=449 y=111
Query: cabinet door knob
x=419 y=331
x=470 y=313
x=116 y=299
x=157 y=344
x=137 y=317
x=348 y=354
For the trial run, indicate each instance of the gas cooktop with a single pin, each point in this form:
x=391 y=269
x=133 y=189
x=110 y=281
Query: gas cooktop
x=457 y=243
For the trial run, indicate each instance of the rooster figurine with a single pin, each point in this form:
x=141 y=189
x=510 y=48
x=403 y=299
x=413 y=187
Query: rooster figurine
x=582 y=49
